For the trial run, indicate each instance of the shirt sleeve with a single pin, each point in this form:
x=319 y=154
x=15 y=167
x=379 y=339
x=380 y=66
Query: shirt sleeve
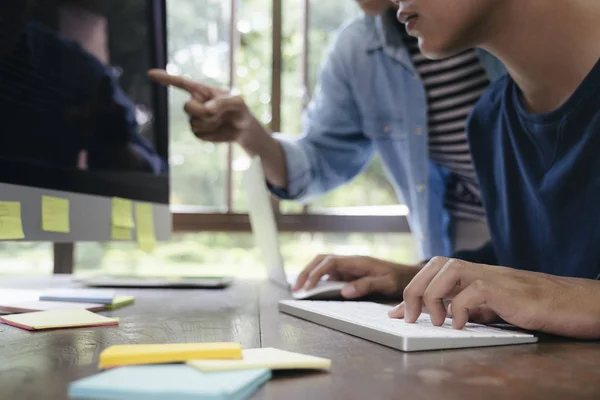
x=333 y=148
x=483 y=255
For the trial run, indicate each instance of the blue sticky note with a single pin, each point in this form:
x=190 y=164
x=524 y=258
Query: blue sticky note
x=169 y=382
x=101 y=296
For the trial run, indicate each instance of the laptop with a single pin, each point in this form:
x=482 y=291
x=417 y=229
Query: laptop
x=266 y=236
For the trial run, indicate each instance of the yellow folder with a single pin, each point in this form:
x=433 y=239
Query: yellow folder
x=136 y=354
x=269 y=358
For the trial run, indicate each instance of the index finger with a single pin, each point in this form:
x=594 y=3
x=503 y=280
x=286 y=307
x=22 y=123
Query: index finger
x=164 y=78
x=301 y=280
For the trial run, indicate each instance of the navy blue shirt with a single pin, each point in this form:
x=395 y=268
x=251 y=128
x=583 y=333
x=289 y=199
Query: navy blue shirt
x=540 y=180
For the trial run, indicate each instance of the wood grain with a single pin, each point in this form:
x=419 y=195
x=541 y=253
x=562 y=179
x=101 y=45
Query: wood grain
x=552 y=369
x=40 y=365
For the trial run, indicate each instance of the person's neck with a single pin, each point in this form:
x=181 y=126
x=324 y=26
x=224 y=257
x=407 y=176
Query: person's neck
x=548 y=47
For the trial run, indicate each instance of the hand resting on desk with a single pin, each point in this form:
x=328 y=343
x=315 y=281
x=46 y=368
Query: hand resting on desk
x=484 y=293
x=366 y=275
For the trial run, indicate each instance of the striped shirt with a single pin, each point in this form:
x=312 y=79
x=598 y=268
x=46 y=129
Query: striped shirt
x=453 y=86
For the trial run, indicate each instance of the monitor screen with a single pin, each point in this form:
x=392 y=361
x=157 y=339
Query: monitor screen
x=77 y=112
x=79 y=118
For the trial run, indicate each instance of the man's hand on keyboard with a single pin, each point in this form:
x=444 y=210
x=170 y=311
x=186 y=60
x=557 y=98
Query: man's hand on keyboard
x=365 y=275
x=529 y=300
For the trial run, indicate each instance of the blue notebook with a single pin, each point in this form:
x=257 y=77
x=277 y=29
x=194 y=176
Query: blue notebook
x=101 y=296
x=169 y=382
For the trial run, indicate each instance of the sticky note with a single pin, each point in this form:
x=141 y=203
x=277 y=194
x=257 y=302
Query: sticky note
x=55 y=214
x=270 y=358
x=57 y=319
x=121 y=233
x=145 y=226
x=41 y=305
x=102 y=296
x=119 y=302
x=121 y=213
x=173 y=382
x=11 y=225
x=167 y=353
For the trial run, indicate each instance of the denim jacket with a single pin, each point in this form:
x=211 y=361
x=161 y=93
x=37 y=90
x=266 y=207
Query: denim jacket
x=370 y=99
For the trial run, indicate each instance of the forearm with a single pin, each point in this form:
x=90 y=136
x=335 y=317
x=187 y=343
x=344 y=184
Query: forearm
x=258 y=141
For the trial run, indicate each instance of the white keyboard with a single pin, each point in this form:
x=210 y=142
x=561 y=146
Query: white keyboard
x=370 y=321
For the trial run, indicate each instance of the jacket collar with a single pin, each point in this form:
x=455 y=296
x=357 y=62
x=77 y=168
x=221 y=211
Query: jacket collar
x=385 y=37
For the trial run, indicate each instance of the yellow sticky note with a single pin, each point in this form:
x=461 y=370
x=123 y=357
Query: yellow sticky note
x=135 y=354
x=269 y=358
x=121 y=233
x=11 y=225
x=145 y=226
x=121 y=213
x=119 y=302
x=55 y=214
x=69 y=318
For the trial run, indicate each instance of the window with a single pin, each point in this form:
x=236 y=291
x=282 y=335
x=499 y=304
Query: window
x=25 y=258
x=240 y=43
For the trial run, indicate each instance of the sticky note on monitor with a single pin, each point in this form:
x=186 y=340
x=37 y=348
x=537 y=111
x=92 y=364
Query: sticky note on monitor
x=173 y=382
x=136 y=354
x=121 y=233
x=55 y=214
x=122 y=213
x=269 y=358
x=11 y=224
x=101 y=296
x=145 y=226
x=57 y=319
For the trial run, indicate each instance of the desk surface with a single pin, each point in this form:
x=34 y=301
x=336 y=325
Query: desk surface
x=39 y=365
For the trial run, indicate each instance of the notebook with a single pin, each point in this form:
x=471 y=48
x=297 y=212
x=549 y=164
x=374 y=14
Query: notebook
x=135 y=354
x=270 y=358
x=169 y=382
x=57 y=319
x=102 y=296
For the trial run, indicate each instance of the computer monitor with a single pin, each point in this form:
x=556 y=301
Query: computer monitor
x=78 y=117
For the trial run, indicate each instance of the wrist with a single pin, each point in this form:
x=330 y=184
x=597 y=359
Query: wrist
x=255 y=139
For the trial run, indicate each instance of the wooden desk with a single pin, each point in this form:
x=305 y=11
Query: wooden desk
x=39 y=365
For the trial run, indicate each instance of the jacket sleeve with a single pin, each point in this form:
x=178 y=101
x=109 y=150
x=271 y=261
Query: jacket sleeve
x=333 y=148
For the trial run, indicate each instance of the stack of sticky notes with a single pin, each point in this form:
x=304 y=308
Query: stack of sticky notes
x=168 y=353
x=185 y=371
x=106 y=297
x=54 y=319
x=59 y=308
x=171 y=382
x=270 y=358
x=61 y=299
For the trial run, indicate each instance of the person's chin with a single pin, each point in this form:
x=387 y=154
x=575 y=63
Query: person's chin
x=437 y=50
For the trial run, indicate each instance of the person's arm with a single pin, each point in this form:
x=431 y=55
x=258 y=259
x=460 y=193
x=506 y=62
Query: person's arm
x=333 y=148
x=483 y=293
